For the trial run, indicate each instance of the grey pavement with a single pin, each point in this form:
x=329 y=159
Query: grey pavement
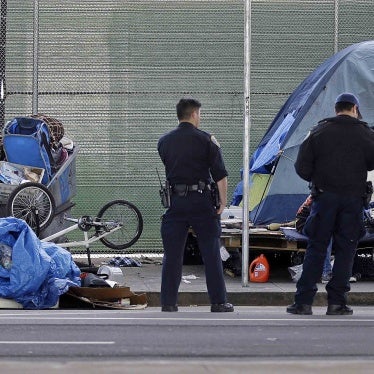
x=253 y=339
x=279 y=290
x=187 y=367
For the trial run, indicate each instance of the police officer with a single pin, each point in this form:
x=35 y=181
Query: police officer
x=335 y=158
x=191 y=158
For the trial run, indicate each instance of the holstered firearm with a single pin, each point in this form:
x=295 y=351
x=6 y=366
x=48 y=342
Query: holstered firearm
x=165 y=195
x=215 y=195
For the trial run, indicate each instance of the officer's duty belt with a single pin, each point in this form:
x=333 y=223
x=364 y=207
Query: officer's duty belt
x=184 y=188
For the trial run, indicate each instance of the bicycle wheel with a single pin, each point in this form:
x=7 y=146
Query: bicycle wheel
x=130 y=219
x=33 y=203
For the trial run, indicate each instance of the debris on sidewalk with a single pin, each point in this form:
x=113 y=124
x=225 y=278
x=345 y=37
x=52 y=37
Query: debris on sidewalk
x=124 y=261
x=103 y=298
x=186 y=278
x=151 y=260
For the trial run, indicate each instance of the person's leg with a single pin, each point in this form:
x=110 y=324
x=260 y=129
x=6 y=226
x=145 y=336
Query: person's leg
x=327 y=264
x=326 y=272
x=208 y=238
x=174 y=236
x=348 y=231
x=318 y=228
x=306 y=286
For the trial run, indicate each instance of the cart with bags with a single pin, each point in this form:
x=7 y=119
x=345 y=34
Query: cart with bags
x=38 y=176
x=37 y=172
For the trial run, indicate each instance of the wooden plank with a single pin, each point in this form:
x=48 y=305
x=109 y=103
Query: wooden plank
x=263 y=240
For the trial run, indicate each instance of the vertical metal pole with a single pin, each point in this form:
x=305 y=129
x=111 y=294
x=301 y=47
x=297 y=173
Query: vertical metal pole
x=247 y=127
x=2 y=63
x=336 y=25
x=35 y=58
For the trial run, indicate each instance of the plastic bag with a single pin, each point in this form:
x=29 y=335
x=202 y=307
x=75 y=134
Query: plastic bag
x=295 y=272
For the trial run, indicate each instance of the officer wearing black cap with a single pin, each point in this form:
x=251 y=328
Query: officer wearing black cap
x=335 y=158
x=192 y=158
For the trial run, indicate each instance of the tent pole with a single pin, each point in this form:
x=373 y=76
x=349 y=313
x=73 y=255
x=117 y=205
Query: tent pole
x=247 y=127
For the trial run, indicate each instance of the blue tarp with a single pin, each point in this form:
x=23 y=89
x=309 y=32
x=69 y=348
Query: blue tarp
x=292 y=112
x=266 y=156
x=40 y=272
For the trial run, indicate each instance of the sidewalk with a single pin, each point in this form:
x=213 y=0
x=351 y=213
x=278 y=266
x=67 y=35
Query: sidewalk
x=279 y=290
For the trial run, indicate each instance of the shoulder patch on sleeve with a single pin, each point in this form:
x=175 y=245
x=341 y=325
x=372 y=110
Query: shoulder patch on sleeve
x=215 y=141
x=307 y=135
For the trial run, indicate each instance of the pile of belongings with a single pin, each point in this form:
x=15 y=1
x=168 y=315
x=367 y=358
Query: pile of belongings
x=33 y=273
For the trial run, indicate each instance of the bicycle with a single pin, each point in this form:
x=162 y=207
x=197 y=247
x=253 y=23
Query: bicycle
x=118 y=224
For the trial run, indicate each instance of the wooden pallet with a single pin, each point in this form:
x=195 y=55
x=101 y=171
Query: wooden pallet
x=261 y=239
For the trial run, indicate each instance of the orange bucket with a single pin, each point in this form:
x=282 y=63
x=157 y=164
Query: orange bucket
x=259 y=270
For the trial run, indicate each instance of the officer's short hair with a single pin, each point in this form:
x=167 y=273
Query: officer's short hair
x=343 y=105
x=346 y=101
x=185 y=107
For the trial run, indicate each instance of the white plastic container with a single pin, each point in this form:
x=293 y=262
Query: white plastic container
x=114 y=274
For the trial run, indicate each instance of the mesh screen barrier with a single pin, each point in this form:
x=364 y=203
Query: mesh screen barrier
x=113 y=70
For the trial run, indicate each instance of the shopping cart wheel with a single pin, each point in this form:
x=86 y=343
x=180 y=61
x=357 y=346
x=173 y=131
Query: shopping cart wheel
x=125 y=214
x=34 y=203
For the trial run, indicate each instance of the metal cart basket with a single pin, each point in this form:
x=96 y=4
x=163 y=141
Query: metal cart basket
x=59 y=192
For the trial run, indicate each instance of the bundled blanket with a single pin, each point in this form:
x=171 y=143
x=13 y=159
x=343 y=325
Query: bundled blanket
x=36 y=273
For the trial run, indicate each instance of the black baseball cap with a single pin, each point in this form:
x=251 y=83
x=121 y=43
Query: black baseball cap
x=349 y=98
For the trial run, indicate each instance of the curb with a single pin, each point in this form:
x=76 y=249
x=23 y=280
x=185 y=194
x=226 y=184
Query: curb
x=258 y=298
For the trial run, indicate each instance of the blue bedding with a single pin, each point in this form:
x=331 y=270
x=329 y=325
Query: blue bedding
x=291 y=234
x=38 y=273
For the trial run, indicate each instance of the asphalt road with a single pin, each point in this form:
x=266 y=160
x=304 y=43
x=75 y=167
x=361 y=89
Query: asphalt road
x=108 y=340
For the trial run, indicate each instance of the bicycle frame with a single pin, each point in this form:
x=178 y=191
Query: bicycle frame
x=86 y=242
x=82 y=243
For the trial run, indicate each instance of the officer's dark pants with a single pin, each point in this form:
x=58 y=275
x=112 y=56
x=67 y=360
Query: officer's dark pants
x=339 y=217
x=195 y=210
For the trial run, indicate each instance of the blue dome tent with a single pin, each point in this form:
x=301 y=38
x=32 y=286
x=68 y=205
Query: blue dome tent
x=279 y=191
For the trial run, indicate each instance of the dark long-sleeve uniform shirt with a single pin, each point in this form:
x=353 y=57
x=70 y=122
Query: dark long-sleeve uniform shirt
x=191 y=155
x=336 y=155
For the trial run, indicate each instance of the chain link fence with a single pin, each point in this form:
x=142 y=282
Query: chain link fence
x=113 y=70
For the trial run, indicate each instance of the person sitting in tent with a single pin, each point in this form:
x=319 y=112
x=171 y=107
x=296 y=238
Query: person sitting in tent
x=301 y=217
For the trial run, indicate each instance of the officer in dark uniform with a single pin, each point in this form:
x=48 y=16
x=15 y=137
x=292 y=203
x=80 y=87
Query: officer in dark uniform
x=192 y=158
x=335 y=158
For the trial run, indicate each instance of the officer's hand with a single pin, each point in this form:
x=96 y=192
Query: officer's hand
x=220 y=209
